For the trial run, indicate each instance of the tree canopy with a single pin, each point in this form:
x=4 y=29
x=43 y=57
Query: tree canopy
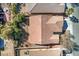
x=12 y=29
x=69 y=11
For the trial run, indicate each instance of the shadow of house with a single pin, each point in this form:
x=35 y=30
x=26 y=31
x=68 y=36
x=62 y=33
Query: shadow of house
x=75 y=47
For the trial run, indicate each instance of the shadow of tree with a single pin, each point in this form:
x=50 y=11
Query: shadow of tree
x=75 y=46
x=25 y=33
x=72 y=36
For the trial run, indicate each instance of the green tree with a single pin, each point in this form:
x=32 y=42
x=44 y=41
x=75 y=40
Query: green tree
x=5 y=31
x=14 y=30
x=14 y=9
x=69 y=11
x=20 y=17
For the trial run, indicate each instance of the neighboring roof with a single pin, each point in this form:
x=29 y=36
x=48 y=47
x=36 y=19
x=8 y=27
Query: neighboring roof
x=46 y=8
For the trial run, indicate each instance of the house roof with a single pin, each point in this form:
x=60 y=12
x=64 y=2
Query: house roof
x=46 y=8
x=42 y=28
x=54 y=51
x=53 y=25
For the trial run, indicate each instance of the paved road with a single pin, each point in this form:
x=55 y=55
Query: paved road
x=74 y=30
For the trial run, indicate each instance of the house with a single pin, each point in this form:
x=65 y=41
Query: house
x=45 y=26
x=46 y=22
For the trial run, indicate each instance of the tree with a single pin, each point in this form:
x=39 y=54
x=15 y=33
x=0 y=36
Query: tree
x=14 y=30
x=5 y=31
x=14 y=9
x=20 y=17
x=69 y=11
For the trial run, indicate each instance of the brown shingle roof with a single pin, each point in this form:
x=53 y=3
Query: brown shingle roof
x=47 y=8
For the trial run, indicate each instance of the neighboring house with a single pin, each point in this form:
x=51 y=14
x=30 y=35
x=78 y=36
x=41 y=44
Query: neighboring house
x=46 y=22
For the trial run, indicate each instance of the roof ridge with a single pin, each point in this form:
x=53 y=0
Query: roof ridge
x=33 y=7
